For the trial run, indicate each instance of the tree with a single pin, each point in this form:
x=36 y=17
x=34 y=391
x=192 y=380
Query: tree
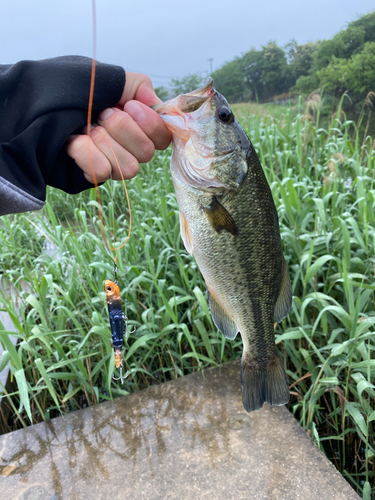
x=230 y=80
x=356 y=74
x=162 y=93
x=361 y=71
x=300 y=58
x=334 y=76
x=342 y=46
x=187 y=84
x=267 y=72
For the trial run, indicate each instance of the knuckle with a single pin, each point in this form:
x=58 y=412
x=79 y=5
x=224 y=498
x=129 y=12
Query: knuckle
x=98 y=137
x=147 y=80
x=78 y=146
x=119 y=121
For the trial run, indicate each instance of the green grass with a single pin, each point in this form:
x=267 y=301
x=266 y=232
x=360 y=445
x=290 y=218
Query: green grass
x=323 y=182
x=244 y=110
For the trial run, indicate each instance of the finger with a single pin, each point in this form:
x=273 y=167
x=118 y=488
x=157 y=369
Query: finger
x=123 y=164
x=89 y=158
x=123 y=129
x=150 y=122
x=140 y=88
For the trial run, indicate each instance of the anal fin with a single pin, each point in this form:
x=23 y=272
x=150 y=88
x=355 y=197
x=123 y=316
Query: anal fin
x=221 y=319
x=285 y=297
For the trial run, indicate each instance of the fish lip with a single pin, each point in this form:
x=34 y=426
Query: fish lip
x=201 y=92
x=158 y=106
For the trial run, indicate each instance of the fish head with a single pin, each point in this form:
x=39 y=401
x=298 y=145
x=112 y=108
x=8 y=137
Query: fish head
x=112 y=290
x=209 y=146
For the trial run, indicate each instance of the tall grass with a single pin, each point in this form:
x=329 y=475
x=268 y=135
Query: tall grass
x=323 y=182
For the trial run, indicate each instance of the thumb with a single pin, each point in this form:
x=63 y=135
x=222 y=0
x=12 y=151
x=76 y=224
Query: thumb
x=139 y=87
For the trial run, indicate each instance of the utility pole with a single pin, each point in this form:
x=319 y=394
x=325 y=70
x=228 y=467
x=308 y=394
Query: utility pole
x=210 y=61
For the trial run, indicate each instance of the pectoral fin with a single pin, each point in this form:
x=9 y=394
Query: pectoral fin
x=284 y=300
x=223 y=322
x=186 y=234
x=219 y=218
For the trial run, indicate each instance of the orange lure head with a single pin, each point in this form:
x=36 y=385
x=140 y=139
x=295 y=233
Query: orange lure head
x=112 y=291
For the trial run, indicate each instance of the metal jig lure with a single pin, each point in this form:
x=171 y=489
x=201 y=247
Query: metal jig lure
x=117 y=320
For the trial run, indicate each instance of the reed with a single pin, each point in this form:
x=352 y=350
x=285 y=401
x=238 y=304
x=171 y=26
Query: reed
x=323 y=182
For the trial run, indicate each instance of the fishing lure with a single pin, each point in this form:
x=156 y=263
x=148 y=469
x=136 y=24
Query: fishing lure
x=118 y=321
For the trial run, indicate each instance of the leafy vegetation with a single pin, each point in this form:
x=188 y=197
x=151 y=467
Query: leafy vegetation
x=323 y=182
x=186 y=84
x=162 y=92
x=351 y=50
x=345 y=63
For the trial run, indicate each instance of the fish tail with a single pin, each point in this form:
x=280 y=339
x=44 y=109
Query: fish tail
x=263 y=385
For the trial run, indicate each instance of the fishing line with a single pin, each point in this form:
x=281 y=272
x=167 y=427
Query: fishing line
x=118 y=320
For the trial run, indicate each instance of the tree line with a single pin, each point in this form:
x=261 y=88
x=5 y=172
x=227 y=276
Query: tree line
x=344 y=63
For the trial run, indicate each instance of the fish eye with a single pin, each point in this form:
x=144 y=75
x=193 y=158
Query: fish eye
x=225 y=114
x=109 y=288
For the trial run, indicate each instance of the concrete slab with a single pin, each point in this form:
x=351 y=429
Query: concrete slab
x=185 y=439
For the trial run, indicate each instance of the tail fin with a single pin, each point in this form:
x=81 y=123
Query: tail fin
x=263 y=386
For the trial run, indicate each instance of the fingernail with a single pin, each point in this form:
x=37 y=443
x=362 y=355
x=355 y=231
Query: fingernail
x=104 y=114
x=135 y=111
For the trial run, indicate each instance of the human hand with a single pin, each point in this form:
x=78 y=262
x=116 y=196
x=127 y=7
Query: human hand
x=132 y=129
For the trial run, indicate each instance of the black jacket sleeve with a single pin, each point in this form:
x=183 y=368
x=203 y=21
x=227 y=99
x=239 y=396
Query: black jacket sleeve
x=41 y=104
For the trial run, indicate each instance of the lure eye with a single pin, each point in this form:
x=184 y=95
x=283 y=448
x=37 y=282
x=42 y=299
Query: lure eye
x=225 y=114
x=109 y=288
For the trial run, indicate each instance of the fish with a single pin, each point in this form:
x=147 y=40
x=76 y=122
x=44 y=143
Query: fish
x=229 y=223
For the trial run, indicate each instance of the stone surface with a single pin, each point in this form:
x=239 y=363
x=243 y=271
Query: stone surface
x=185 y=439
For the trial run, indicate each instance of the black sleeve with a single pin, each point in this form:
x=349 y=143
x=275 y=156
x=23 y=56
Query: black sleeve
x=41 y=104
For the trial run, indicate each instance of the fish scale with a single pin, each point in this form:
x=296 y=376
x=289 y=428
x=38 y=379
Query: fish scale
x=229 y=223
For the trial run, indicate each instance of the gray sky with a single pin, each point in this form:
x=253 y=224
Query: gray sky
x=166 y=38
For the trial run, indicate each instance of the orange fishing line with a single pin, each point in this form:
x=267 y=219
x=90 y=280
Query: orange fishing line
x=89 y=115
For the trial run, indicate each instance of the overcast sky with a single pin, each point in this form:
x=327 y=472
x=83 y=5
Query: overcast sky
x=162 y=39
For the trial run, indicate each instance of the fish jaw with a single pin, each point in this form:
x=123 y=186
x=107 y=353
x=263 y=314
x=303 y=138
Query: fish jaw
x=183 y=112
x=176 y=112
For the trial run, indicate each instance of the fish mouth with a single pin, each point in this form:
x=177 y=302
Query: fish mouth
x=207 y=89
x=187 y=103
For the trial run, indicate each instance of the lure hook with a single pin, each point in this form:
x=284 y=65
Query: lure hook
x=126 y=327
x=121 y=377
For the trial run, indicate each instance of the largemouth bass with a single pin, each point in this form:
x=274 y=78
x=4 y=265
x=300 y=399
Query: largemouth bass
x=229 y=223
